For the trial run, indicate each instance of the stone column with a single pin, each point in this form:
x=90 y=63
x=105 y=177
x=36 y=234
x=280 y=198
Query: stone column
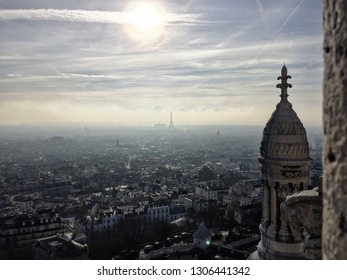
x=273 y=206
x=266 y=205
x=335 y=130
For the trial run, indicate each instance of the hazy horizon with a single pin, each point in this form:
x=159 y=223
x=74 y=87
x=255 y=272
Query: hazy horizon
x=118 y=125
x=134 y=62
x=110 y=129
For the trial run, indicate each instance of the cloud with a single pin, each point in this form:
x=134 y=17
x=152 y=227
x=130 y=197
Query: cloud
x=13 y=76
x=87 y=16
x=213 y=60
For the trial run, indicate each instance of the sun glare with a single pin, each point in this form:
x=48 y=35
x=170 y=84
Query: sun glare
x=146 y=21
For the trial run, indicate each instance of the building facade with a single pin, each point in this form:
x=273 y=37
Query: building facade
x=23 y=229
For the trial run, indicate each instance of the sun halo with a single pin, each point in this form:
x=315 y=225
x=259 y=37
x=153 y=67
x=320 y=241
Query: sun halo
x=146 y=21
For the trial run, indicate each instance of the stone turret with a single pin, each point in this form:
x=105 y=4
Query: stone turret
x=284 y=159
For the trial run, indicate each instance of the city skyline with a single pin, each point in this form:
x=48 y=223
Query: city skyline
x=134 y=62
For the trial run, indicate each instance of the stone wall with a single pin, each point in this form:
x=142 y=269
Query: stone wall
x=335 y=130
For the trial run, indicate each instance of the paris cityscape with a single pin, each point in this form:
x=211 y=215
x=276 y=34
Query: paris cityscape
x=152 y=130
x=118 y=192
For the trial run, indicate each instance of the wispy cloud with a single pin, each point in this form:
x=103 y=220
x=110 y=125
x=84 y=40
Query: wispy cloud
x=217 y=63
x=88 y=16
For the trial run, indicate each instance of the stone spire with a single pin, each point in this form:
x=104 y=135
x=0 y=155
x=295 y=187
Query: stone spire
x=284 y=85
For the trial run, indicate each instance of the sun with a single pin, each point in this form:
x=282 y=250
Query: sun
x=145 y=17
x=146 y=21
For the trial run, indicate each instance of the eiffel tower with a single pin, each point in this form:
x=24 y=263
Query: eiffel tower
x=171 y=124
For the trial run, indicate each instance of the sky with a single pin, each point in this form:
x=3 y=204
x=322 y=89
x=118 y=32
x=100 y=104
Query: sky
x=133 y=62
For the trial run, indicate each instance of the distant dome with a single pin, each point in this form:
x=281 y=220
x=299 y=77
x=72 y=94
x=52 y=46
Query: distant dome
x=284 y=136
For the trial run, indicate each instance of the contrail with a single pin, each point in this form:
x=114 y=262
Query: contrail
x=279 y=29
x=261 y=9
x=293 y=12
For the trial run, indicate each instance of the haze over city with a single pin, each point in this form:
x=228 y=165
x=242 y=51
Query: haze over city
x=134 y=62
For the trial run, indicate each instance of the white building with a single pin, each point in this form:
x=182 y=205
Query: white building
x=104 y=220
x=24 y=203
x=158 y=213
x=213 y=190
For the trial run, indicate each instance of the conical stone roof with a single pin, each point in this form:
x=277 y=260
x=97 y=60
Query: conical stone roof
x=202 y=232
x=284 y=136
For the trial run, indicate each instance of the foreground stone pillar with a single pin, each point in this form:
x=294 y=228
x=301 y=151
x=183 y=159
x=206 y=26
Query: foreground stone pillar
x=304 y=210
x=335 y=130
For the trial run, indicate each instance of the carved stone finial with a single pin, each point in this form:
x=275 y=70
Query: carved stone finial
x=284 y=85
x=284 y=70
